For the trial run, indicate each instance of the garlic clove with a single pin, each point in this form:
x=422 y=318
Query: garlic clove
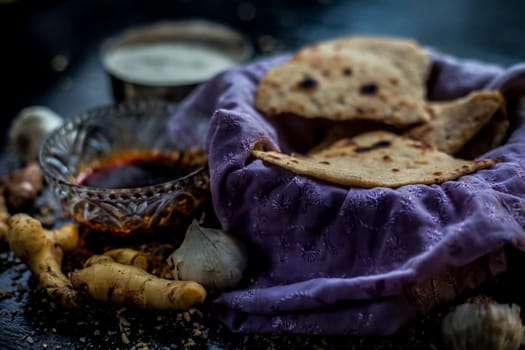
x=210 y=257
x=487 y=326
x=29 y=128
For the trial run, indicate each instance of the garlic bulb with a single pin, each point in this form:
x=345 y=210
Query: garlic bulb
x=29 y=128
x=209 y=257
x=483 y=327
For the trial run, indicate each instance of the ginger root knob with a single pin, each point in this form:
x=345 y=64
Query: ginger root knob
x=116 y=283
x=42 y=250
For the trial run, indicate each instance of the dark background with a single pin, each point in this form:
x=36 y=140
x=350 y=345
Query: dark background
x=50 y=49
x=49 y=55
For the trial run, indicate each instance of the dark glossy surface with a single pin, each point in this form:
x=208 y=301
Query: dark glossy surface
x=144 y=170
x=50 y=56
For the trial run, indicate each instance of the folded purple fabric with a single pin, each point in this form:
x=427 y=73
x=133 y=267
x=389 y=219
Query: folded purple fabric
x=334 y=260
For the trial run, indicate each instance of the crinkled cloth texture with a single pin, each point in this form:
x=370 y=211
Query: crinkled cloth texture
x=335 y=260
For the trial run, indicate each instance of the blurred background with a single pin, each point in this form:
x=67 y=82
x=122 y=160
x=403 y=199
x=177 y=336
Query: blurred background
x=50 y=55
x=50 y=51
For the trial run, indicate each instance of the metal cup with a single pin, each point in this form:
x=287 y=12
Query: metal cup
x=128 y=85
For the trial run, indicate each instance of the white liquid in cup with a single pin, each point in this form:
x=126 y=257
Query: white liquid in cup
x=167 y=63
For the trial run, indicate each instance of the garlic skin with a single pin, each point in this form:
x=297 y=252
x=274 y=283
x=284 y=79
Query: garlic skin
x=209 y=257
x=29 y=128
x=483 y=326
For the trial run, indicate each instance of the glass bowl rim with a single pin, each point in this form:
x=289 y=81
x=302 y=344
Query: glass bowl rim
x=84 y=117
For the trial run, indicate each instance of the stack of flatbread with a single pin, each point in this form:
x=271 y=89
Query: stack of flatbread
x=383 y=130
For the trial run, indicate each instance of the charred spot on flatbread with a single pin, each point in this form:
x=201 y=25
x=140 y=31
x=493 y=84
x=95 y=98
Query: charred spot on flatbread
x=307 y=83
x=369 y=89
x=373 y=147
x=347 y=71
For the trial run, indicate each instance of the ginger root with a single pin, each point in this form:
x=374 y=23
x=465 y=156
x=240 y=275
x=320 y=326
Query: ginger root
x=116 y=283
x=131 y=257
x=97 y=259
x=127 y=256
x=42 y=250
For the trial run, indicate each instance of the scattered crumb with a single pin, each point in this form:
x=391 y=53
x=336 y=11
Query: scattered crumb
x=6 y=294
x=189 y=343
x=124 y=338
x=141 y=346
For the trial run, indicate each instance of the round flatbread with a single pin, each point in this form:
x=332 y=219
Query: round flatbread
x=455 y=123
x=377 y=158
x=367 y=79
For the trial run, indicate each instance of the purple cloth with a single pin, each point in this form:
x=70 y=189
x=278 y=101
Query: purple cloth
x=335 y=260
